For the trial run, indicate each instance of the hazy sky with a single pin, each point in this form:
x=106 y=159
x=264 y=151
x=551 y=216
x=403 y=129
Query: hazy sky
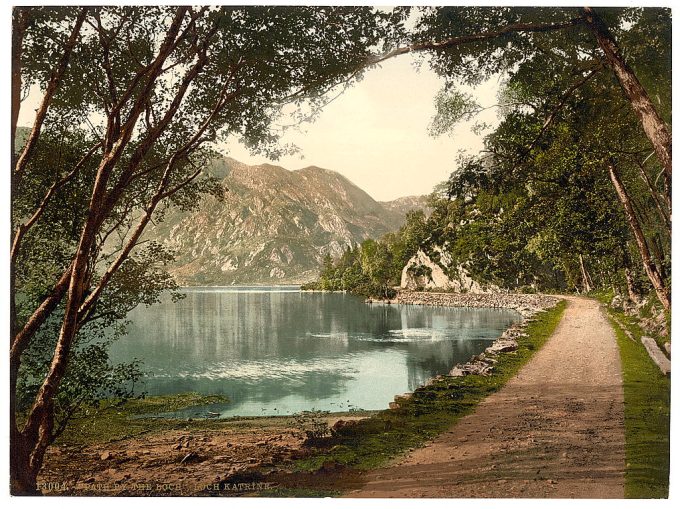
x=375 y=133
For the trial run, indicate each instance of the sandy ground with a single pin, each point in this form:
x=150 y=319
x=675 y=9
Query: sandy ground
x=178 y=462
x=555 y=430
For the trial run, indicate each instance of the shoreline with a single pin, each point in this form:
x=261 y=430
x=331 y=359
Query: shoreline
x=527 y=305
x=187 y=454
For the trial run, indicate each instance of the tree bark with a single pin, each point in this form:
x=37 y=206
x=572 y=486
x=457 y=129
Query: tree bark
x=653 y=125
x=650 y=266
x=587 y=282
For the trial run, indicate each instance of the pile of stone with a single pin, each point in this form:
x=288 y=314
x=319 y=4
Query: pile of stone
x=478 y=365
x=483 y=363
x=526 y=304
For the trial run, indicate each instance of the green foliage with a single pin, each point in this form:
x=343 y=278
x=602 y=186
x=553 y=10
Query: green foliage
x=137 y=113
x=536 y=209
x=374 y=267
x=452 y=107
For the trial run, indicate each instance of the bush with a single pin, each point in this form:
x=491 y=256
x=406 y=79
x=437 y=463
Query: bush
x=312 y=425
x=313 y=285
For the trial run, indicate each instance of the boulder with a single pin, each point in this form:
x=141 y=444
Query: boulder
x=656 y=354
x=617 y=302
x=502 y=345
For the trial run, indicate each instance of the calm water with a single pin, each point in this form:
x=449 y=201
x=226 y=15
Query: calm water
x=279 y=351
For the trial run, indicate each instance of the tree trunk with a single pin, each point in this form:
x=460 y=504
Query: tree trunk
x=31 y=443
x=587 y=282
x=653 y=125
x=647 y=261
x=23 y=480
x=630 y=279
x=663 y=213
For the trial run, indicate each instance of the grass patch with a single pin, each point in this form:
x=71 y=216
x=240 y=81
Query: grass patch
x=647 y=414
x=114 y=420
x=632 y=322
x=430 y=411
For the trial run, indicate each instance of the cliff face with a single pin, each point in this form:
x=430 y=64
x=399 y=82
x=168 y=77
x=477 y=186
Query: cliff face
x=422 y=271
x=273 y=226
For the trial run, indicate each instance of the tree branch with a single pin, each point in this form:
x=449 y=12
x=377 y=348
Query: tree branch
x=451 y=42
x=52 y=85
x=25 y=227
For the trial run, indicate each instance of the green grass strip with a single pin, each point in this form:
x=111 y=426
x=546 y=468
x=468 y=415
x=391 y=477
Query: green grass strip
x=431 y=410
x=120 y=420
x=647 y=415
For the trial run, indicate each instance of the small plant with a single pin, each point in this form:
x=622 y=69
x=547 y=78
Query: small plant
x=312 y=425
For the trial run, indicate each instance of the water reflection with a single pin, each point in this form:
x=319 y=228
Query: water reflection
x=280 y=352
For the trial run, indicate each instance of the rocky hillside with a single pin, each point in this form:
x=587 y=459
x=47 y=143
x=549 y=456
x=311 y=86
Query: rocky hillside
x=407 y=203
x=273 y=226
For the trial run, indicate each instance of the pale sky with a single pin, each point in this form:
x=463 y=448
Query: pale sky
x=375 y=133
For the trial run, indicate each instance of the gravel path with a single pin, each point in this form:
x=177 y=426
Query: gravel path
x=555 y=430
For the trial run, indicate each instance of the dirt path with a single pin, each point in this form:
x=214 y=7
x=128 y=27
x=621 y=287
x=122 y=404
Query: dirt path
x=555 y=430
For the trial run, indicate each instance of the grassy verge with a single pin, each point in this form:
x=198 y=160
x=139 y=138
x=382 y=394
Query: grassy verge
x=117 y=421
x=430 y=411
x=647 y=415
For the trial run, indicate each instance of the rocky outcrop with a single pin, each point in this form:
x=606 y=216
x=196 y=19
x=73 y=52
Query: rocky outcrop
x=406 y=204
x=422 y=272
x=272 y=226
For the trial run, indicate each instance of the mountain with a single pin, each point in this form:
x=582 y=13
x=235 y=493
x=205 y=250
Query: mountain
x=273 y=226
x=407 y=203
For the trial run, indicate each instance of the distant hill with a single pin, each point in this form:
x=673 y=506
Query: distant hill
x=274 y=225
x=407 y=203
